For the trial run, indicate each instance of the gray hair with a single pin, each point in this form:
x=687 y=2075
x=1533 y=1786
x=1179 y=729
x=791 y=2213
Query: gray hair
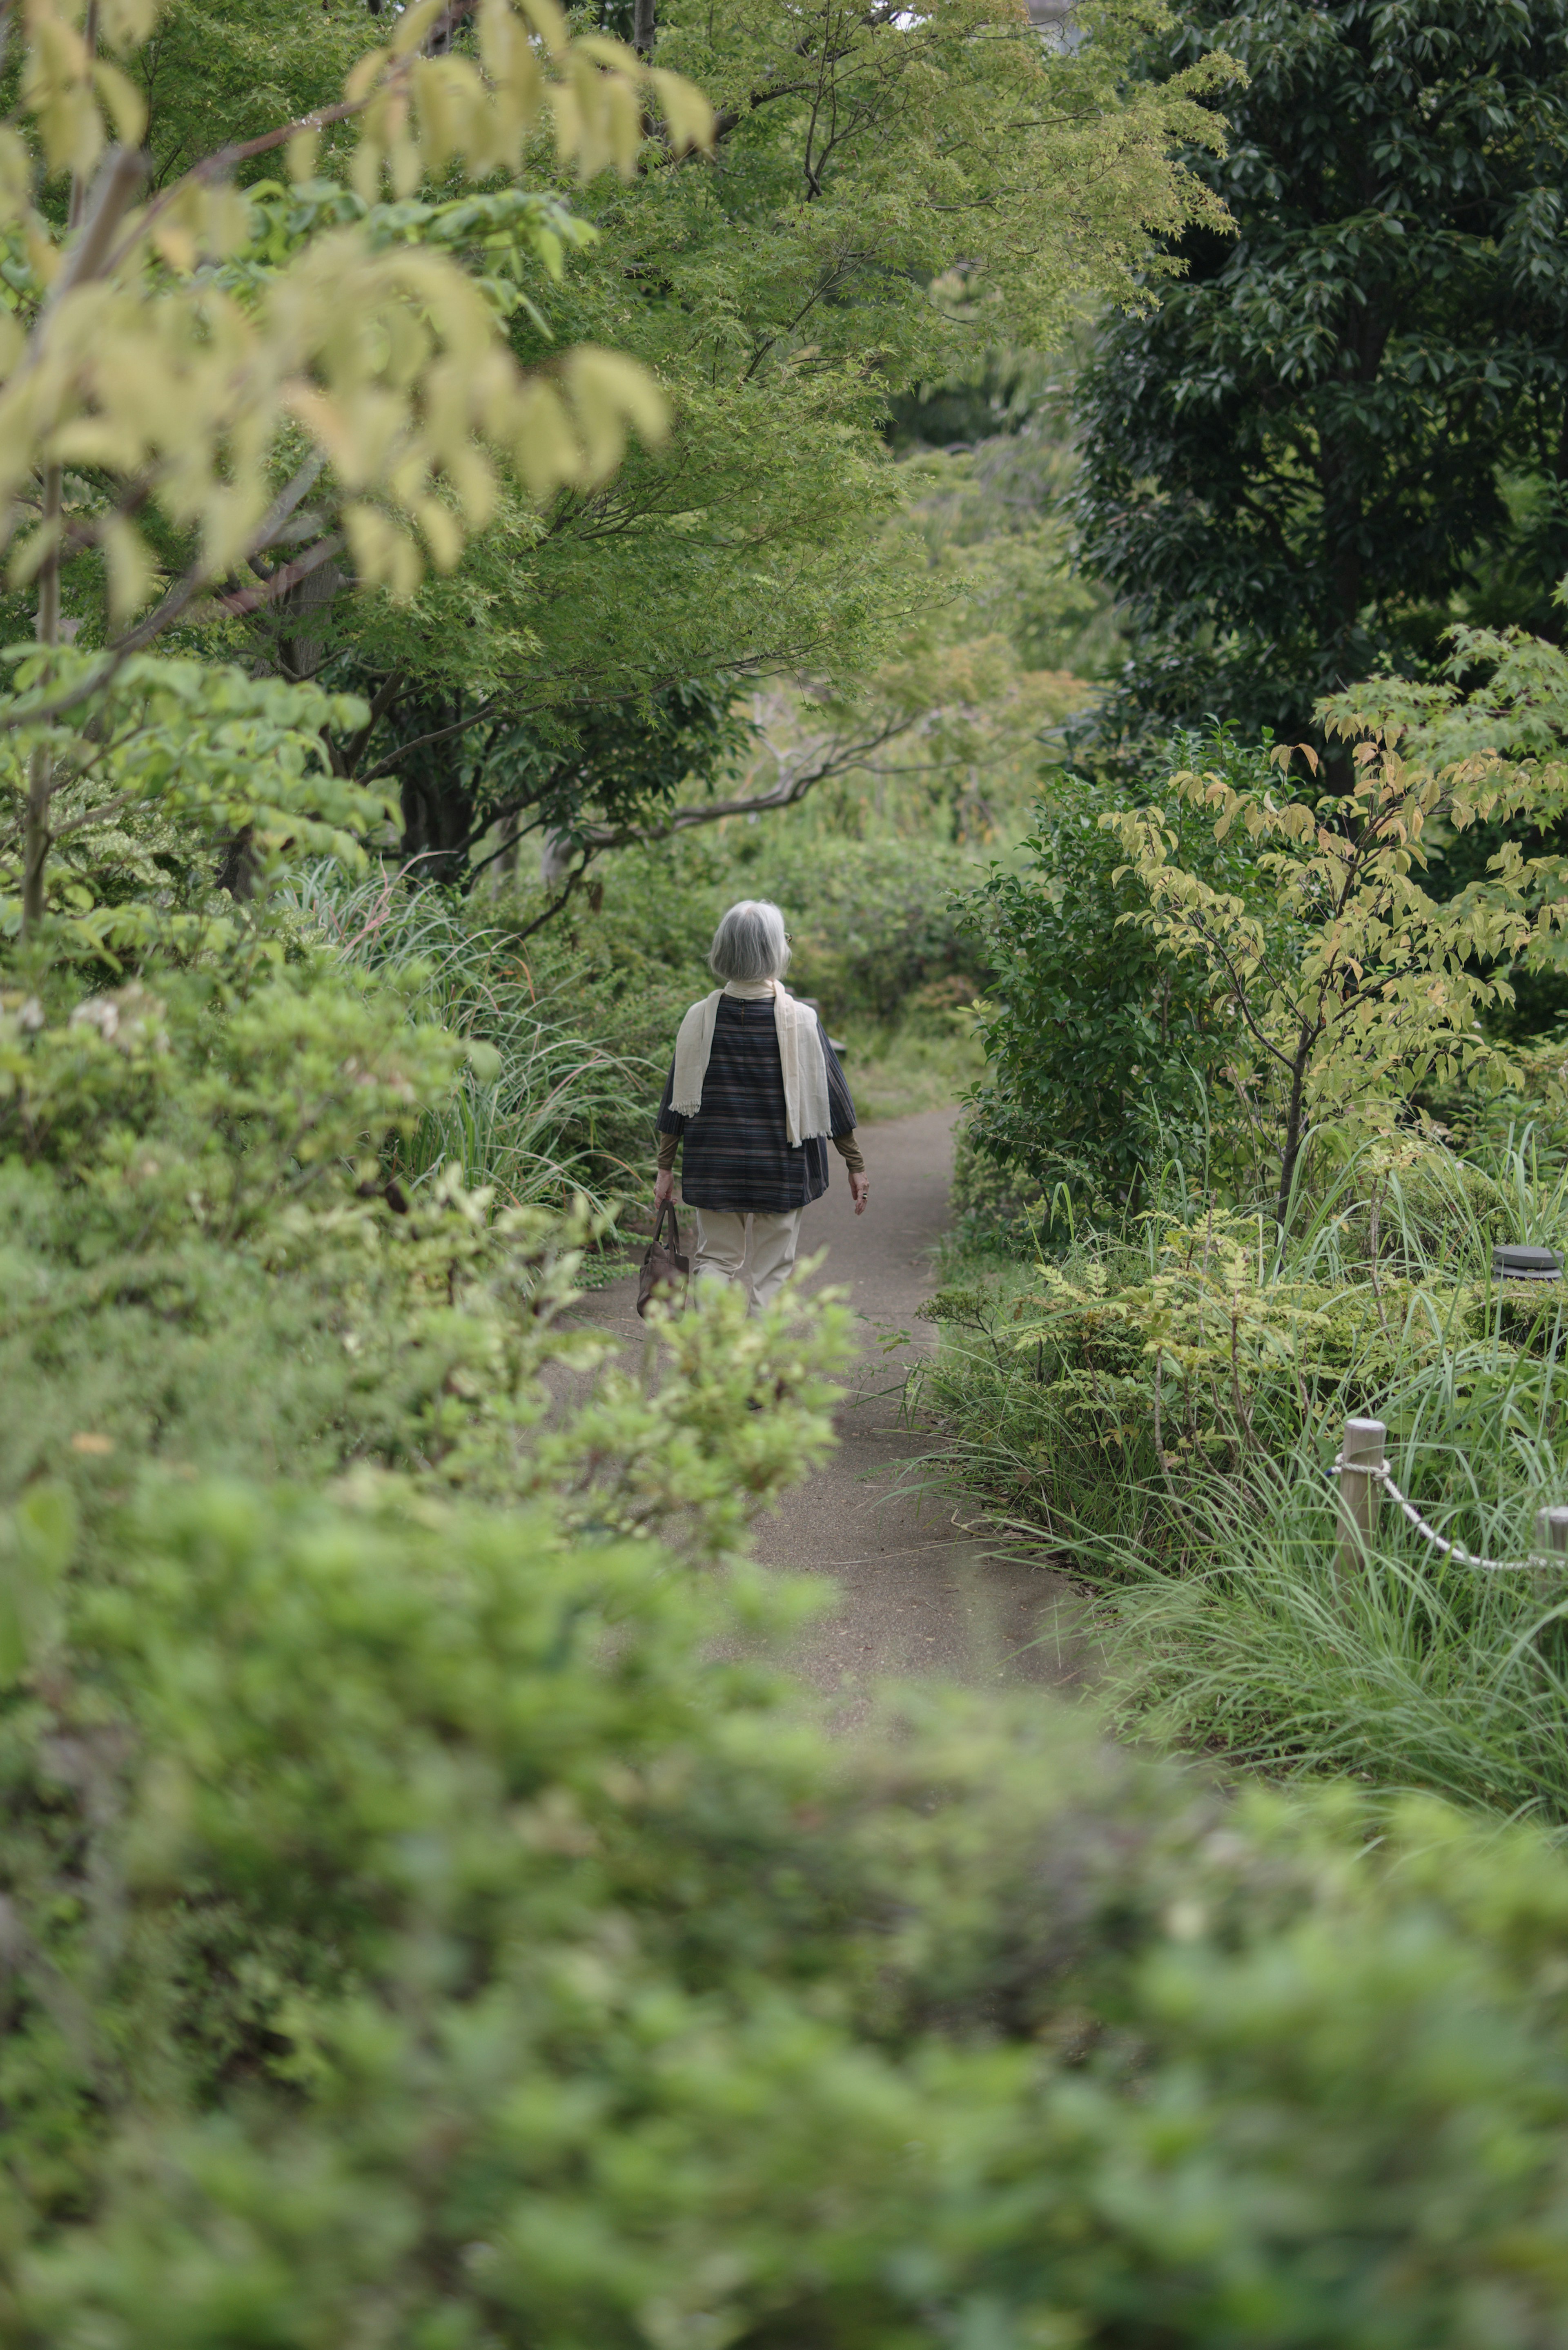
x=750 y=944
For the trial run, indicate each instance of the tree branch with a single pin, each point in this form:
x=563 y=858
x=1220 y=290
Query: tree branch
x=184 y=593
x=380 y=702
x=179 y=599
x=278 y=583
x=474 y=717
x=786 y=794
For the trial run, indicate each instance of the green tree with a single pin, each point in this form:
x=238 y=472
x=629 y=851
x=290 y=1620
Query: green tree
x=1343 y=981
x=781 y=291
x=459 y=782
x=256 y=389
x=1349 y=421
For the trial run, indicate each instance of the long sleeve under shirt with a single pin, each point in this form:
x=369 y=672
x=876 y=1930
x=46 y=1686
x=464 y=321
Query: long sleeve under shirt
x=737 y=1155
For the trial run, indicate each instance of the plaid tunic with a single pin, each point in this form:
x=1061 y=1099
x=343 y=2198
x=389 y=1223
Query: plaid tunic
x=736 y=1152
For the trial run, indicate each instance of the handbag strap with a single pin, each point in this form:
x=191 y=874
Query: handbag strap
x=667 y=1210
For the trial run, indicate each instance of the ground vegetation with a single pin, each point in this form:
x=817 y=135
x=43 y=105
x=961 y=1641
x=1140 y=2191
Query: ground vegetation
x=1216 y=1285
x=428 y=1913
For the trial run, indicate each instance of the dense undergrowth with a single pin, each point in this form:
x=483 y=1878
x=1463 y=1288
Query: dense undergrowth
x=427 y=1918
x=1168 y=1408
x=1165 y=1299
x=430 y=1917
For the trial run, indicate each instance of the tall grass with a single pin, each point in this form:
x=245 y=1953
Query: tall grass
x=1411 y=1671
x=1227 y=1623
x=555 y=1116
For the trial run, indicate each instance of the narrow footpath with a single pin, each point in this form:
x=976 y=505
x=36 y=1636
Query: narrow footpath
x=920 y=1596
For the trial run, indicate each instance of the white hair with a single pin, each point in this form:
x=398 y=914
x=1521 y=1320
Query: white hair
x=750 y=944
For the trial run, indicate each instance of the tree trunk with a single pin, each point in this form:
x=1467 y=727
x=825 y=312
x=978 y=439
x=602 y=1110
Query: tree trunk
x=1292 y=1145
x=237 y=872
x=437 y=824
x=645 y=29
x=304 y=619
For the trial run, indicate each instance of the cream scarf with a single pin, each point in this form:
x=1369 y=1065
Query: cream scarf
x=800 y=1052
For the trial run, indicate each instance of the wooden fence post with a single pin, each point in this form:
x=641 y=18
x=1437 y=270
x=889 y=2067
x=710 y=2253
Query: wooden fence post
x=1358 y=1493
x=1550 y=1535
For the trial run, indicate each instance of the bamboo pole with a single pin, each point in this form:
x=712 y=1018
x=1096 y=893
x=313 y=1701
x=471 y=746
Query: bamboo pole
x=1364 y=1442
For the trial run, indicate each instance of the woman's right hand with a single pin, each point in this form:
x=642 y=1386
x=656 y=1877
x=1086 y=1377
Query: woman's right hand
x=663 y=1188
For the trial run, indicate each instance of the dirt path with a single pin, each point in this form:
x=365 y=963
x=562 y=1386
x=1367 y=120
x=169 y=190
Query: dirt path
x=920 y=1597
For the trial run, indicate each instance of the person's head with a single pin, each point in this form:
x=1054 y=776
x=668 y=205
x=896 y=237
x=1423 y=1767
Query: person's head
x=750 y=944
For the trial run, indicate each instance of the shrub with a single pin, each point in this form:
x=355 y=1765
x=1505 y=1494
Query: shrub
x=870 y=922
x=212 y=1262
x=426 y=1918
x=415 y=1927
x=1106 y=1060
x=998 y=1208
x=1344 y=983
x=1170 y=1416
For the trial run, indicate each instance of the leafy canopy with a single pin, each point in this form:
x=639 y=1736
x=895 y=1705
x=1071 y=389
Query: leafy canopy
x=1346 y=423
x=198 y=363
x=975 y=184
x=132 y=351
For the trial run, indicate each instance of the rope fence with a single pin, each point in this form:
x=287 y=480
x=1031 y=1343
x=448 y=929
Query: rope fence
x=1363 y=1472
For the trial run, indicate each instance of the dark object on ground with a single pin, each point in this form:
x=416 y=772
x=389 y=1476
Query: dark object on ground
x=663 y=1269
x=1512 y=1263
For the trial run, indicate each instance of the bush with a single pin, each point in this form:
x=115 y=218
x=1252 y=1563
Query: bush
x=1168 y=1412
x=426 y=1919
x=414 y=1929
x=213 y=1261
x=998 y=1207
x=542 y=1105
x=1106 y=1059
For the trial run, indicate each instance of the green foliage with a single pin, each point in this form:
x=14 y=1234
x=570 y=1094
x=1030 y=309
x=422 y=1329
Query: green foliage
x=225 y=71
x=1105 y=1050
x=1415 y=1668
x=781 y=292
x=564 y=1982
x=874 y=942
x=504 y=237
x=215 y=1259
x=1345 y=982
x=1168 y=1411
x=1091 y=1392
x=425 y=1915
x=462 y=783
x=1502 y=691
x=540 y=1106
x=105 y=304
x=1343 y=426
x=997 y=515
x=150 y=777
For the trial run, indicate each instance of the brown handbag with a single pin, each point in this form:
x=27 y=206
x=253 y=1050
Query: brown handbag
x=664 y=1270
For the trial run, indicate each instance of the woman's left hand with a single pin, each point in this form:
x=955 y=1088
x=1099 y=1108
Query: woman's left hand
x=663 y=1188
x=860 y=1192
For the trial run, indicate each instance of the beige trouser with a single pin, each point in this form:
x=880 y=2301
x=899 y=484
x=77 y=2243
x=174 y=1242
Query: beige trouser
x=722 y=1251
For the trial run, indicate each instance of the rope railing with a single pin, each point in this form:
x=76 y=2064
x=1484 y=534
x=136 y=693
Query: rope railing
x=1363 y=1472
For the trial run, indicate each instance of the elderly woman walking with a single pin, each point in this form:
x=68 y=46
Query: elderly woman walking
x=755 y=1095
